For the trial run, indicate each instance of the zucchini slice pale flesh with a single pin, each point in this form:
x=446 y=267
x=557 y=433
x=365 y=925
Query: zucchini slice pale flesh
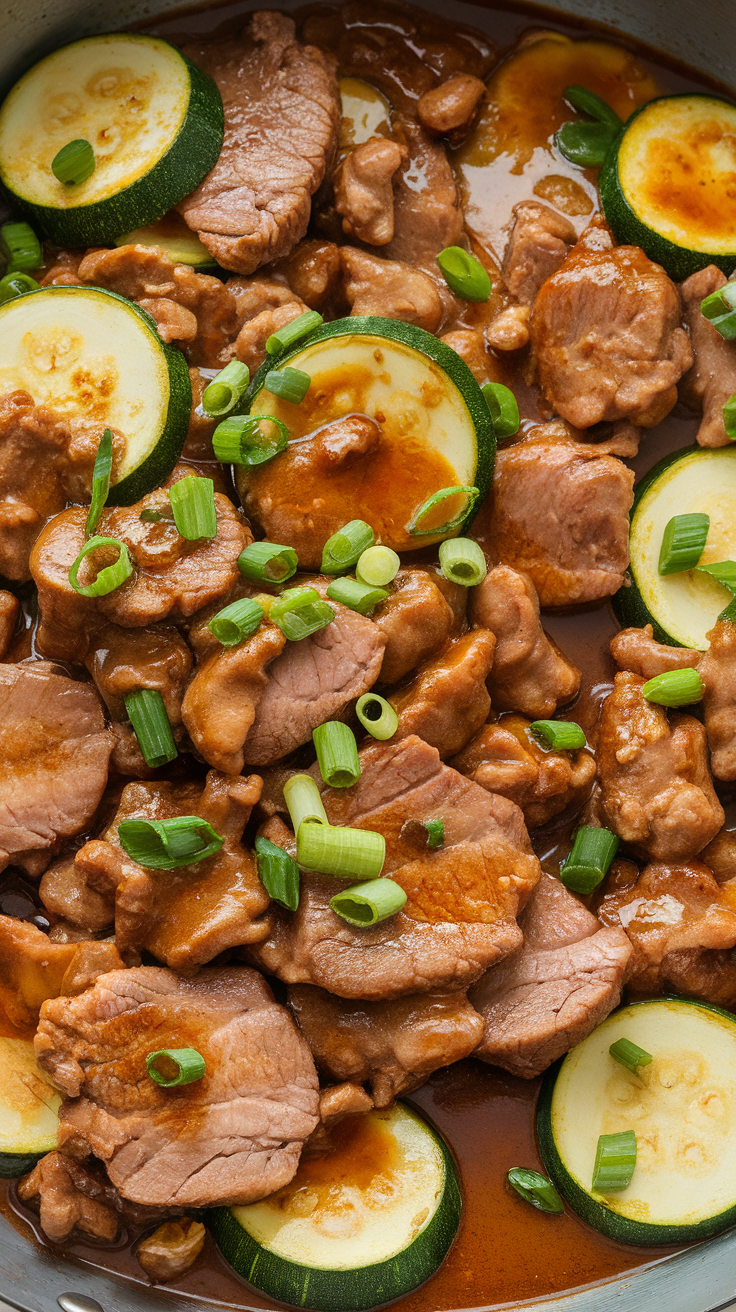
x=29 y=1106
x=154 y=120
x=92 y=354
x=682 y=608
x=682 y=1108
x=172 y=236
x=359 y=1225
x=667 y=184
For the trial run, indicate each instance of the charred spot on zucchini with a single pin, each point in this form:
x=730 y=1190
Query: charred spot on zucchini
x=29 y=1106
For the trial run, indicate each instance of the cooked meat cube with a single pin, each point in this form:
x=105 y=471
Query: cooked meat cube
x=390 y=288
x=72 y=889
x=282 y=114
x=539 y=243
x=416 y=619
x=171 y=1249
x=656 y=788
x=560 y=512
x=638 y=651
x=529 y=673
x=250 y=347
x=70 y=1199
x=393 y=1046
x=450 y=109
x=711 y=381
x=553 y=992
x=32 y=969
x=122 y=661
x=341 y=1100
x=506 y=758
x=222 y=699
x=255 y=295
x=447 y=701
x=54 y=752
x=364 y=195
x=313 y=271
x=471 y=347
x=509 y=331
x=9 y=610
x=232 y=1137
x=608 y=339
x=427 y=212
x=462 y=898
x=720 y=856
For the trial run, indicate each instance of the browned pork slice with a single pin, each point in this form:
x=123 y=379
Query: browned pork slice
x=447 y=701
x=711 y=381
x=539 y=242
x=122 y=661
x=553 y=992
x=32 y=969
x=250 y=347
x=222 y=699
x=54 y=753
x=70 y=1198
x=364 y=195
x=392 y=1046
x=416 y=619
x=282 y=114
x=232 y=1137
x=390 y=288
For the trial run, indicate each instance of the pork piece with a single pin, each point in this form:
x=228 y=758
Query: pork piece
x=427 y=212
x=450 y=109
x=720 y=856
x=171 y=1249
x=392 y=1046
x=250 y=347
x=122 y=661
x=462 y=898
x=711 y=381
x=682 y=927
x=221 y=701
x=282 y=114
x=529 y=673
x=509 y=331
x=539 y=243
x=32 y=969
x=232 y=1137
x=471 y=347
x=416 y=620
x=506 y=758
x=560 y=512
x=447 y=701
x=607 y=335
x=70 y=1199
x=313 y=271
x=258 y=293
x=656 y=789
x=54 y=752
x=553 y=992
x=364 y=194
x=341 y=1100
x=68 y=889
x=391 y=289
x=9 y=611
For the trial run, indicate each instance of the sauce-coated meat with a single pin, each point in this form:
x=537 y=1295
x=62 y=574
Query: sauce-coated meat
x=711 y=381
x=447 y=700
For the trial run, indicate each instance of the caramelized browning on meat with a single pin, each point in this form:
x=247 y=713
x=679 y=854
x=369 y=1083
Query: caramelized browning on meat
x=447 y=700
x=416 y=620
x=539 y=243
x=711 y=381
x=32 y=969
x=223 y=697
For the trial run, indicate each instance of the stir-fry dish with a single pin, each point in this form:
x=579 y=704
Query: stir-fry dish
x=333 y=354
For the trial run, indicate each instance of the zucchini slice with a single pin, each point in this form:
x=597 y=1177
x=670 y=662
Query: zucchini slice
x=359 y=1225
x=29 y=1107
x=92 y=354
x=154 y=120
x=667 y=184
x=682 y=1107
x=682 y=608
x=171 y=235
x=435 y=432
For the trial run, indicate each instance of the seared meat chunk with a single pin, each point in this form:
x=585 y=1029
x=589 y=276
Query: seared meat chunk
x=70 y=1198
x=74 y=889
x=656 y=789
x=232 y=1137
x=509 y=330
x=539 y=243
x=553 y=992
x=450 y=109
x=416 y=619
x=427 y=213
x=711 y=381
x=171 y=1249
x=282 y=113
x=32 y=969
x=340 y=1100
x=9 y=610
x=54 y=751
x=250 y=347
x=529 y=672
x=447 y=701
x=313 y=271
x=392 y=1046
x=506 y=758
x=390 y=288
x=364 y=194
x=222 y=699
x=122 y=661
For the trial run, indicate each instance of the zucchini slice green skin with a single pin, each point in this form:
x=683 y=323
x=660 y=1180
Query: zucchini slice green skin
x=13 y=1165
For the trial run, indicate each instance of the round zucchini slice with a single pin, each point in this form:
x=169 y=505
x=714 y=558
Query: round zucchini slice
x=435 y=432
x=172 y=236
x=29 y=1107
x=667 y=184
x=154 y=120
x=682 y=1108
x=682 y=608
x=359 y=1225
x=92 y=354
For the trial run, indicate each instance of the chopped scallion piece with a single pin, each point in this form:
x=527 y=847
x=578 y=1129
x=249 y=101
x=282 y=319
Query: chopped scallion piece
x=674 y=688
x=464 y=275
x=462 y=561
x=243 y=440
x=377 y=567
x=615 y=1160
x=74 y=163
x=377 y=716
x=168 y=844
x=303 y=801
x=584 y=144
x=435 y=832
x=21 y=247
x=504 y=409
x=560 y=735
x=299 y=612
x=267 y=562
x=535 y=1189
x=683 y=542
x=16 y=284
x=100 y=482
x=337 y=754
x=592 y=852
x=586 y=101
x=720 y=310
x=357 y=596
x=108 y=579
x=293 y=332
x=629 y=1054
x=288 y=384
x=422 y=526
x=369 y=903
x=172 y=1067
x=343 y=550
x=729 y=418
x=279 y=873
x=147 y=714
x=226 y=389
x=339 y=851
x=193 y=503
x=724 y=572
x=236 y=622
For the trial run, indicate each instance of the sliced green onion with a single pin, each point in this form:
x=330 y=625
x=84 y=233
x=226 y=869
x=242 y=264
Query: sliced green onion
x=147 y=714
x=377 y=566
x=109 y=578
x=149 y=515
x=303 y=801
x=339 y=851
x=193 y=503
x=586 y=101
x=100 y=482
x=236 y=622
x=226 y=389
x=535 y=1189
x=337 y=753
x=171 y=1067
x=357 y=596
x=464 y=275
x=344 y=548
x=560 y=735
x=299 y=612
x=425 y=512
x=674 y=688
x=683 y=542
x=21 y=247
x=241 y=440
x=168 y=844
x=288 y=384
x=369 y=903
x=729 y=418
x=629 y=1054
x=74 y=163
x=268 y=562
x=16 y=284
x=435 y=832
x=293 y=332
x=720 y=310
x=462 y=561
x=615 y=1160
x=279 y=874
x=584 y=144
x=592 y=852
x=377 y=716
x=504 y=409
x=724 y=572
